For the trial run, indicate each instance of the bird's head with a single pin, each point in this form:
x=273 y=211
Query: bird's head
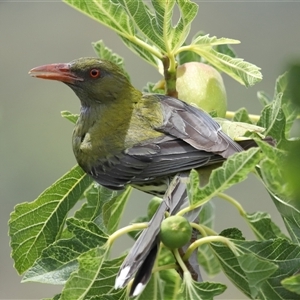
x=95 y=81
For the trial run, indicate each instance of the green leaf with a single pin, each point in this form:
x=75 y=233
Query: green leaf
x=242 y=115
x=244 y=72
x=290 y=110
x=273 y=119
x=285 y=255
x=57 y=262
x=232 y=233
x=290 y=215
x=238 y=130
x=193 y=186
x=200 y=291
x=113 y=210
x=207 y=215
x=293 y=83
x=114 y=15
x=263 y=227
x=207 y=41
x=87 y=232
x=273 y=176
x=282 y=195
x=172 y=283
x=69 y=116
x=263 y=98
x=252 y=265
x=97 y=196
x=94 y=277
x=231 y=267
x=150 y=88
x=292 y=284
x=157 y=26
x=143 y=53
x=225 y=49
x=34 y=226
x=234 y=170
x=105 y=53
x=56 y=297
x=110 y=13
x=154 y=289
x=114 y=295
x=188 y=56
x=291 y=167
x=280 y=252
x=174 y=36
x=208 y=260
x=206 y=257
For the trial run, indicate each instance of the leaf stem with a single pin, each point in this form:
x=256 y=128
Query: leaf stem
x=144 y=45
x=253 y=118
x=165 y=267
x=180 y=261
x=132 y=227
x=204 y=230
x=209 y=239
x=192 y=207
x=234 y=202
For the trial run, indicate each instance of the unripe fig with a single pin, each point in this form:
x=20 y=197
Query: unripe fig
x=201 y=85
x=175 y=232
x=153 y=206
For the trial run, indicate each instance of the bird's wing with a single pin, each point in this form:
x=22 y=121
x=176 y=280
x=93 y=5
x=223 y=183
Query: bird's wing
x=145 y=162
x=191 y=139
x=195 y=127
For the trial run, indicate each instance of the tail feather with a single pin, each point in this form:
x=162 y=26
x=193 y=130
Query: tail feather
x=247 y=144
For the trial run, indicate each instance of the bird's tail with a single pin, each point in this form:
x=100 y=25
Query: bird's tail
x=141 y=258
x=247 y=144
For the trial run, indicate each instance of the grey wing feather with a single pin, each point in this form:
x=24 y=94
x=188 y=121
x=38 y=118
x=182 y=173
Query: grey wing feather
x=195 y=127
x=145 y=162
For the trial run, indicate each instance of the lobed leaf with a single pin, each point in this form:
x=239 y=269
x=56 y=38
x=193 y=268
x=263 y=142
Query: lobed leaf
x=254 y=272
x=290 y=110
x=241 y=115
x=244 y=72
x=110 y=13
x=57 y=262
x=113 y=210
x=200 y=290
x=263 y=227
x=95 y=276
x=273 y=119
x=86 y=232
x=34 y=226
x=292 y=283
x=93 y=210
x=234 y=170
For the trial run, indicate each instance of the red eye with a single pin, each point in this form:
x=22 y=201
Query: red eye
x=94 y=73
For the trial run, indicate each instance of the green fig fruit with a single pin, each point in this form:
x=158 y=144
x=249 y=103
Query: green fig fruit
x=202 y=85
x=175 y=232
x=153 y=206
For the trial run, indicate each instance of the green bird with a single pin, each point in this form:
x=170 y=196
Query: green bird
x=124 y=137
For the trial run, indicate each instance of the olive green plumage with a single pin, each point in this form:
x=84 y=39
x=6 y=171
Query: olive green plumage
x=125 y=137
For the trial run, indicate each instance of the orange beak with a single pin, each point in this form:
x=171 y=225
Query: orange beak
x=60 y=72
